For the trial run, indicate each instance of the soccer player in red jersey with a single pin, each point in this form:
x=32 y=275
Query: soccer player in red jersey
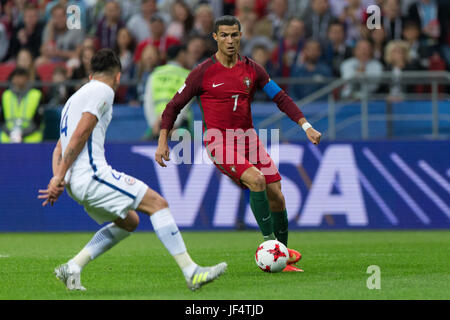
x=225 y=85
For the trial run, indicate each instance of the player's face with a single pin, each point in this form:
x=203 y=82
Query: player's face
x=117 y=81
x=228 y=39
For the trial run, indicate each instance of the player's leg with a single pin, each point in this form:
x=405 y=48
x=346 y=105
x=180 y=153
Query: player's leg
x=168 y=233
x=280 y=221
x=103 y=240
x=278 y=209
x=253 y=179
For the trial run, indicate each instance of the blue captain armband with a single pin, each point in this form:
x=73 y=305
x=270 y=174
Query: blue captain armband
x=272 y=89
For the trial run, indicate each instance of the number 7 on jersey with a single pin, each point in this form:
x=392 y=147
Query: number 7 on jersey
x=235 y=97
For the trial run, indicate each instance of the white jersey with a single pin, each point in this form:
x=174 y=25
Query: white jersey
x=96 y=98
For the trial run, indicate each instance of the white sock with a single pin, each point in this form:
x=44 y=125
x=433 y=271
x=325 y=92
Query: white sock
x=102 y=241
x=168 y=233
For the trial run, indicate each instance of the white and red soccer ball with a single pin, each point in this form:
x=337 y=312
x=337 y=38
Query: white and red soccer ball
x=271 y=256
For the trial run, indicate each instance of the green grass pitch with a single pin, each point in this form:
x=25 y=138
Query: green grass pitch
x=413 y=264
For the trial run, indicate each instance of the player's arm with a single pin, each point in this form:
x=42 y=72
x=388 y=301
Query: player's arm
x=286 y=104
x=190 y=89
x=76 y=144
x=57 y=156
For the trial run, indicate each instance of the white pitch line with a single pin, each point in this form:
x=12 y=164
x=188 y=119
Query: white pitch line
x=4 y=255
x=420 y=183
x=434 y=175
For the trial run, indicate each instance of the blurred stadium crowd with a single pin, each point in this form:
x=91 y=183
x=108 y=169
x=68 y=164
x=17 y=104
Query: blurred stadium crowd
x=290 y=38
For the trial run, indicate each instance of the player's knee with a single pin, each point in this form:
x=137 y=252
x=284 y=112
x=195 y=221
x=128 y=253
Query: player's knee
x=160 y=203
x=258 y=182
x=132 y=224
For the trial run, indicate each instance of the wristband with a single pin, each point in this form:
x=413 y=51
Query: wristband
x=306 y=126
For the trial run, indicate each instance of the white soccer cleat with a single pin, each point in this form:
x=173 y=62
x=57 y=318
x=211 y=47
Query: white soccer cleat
x=204 y=275
x=72 y=280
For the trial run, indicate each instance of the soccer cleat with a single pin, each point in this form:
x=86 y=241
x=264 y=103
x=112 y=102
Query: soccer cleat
x=294 y=256
x=203 y=275
x=70 y=279
x=292 y=268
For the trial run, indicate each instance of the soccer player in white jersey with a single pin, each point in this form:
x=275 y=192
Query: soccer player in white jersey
x=79 y=165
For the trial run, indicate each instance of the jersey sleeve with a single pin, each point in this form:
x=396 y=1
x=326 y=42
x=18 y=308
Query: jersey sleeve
x=278 y=95
x=192 y=87
x=262 y=77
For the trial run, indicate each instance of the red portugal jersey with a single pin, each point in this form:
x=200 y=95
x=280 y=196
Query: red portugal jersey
x=225 y=95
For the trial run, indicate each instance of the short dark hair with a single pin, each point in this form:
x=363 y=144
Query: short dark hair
x=19 y=72
x=226 y=21
x=174 y=51
x=106 y=61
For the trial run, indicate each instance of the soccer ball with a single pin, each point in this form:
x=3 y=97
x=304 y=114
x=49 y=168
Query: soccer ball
x=271 y=256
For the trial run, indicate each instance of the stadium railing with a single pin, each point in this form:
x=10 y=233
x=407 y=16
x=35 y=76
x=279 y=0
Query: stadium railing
x=432 y=84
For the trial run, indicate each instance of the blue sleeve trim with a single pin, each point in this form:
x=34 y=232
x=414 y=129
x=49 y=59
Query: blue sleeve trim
x=272 y=89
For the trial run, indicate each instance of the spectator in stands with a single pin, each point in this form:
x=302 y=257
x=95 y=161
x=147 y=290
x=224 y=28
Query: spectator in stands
x=58 y=93
x=419 y=52
x=378 y=39
x=139 y=23
x=25 y=60
x=204 y=25
x=432 y=17
x=289 y=47
x=4 y=42
x=429 y=16
x=182 y=20
x=335 y=49
x=81 y=4
x=318 y=20
x=162 y=84
x=196 y=51
x=159 y=38
x=299 y=8
x=361 y=64
x=392 y=19
x=84 y=70
x=108 y=27
x=151 y=58
x=277 y=18
x=17 y=11
x=124 y=47
x=247 y=19
x=261 y=54
x=58 y=42
x=21 y=111
x=309 y=66
x=166 y=6
x=397 y=60
x=6 y=17
x=352 y=17
x=27 y=34
x=81 y=72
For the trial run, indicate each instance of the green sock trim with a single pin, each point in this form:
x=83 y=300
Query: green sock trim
x=259 y=204
x=280 y=226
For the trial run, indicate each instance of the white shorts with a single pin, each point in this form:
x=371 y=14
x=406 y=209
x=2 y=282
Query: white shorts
x=108 y=194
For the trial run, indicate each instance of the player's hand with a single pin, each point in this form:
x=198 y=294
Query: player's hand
x=54 y=190
x=313 y=135
x=162 y=152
